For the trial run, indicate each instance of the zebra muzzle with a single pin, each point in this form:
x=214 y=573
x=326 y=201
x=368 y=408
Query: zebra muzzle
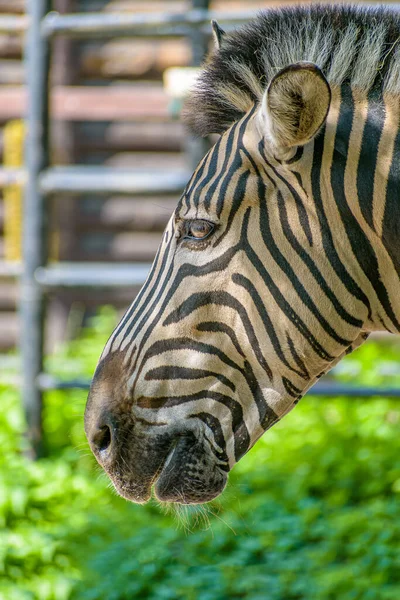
x=190 y=474
x=178 y=464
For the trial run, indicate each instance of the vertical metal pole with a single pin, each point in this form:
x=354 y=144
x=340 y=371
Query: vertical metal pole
x=197 y=147
x=34 y=230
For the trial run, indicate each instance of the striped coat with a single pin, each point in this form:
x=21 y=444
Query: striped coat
x=283 y=253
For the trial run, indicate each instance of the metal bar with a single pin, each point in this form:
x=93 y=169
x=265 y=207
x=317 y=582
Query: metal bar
x=37 y=158
x=50 y=382
x=10 y=269
x=145 y=24
x=10 y=176
x=92 y=103
x=195 y=146
x=109 y=180
x=340 y=389
x=104 y=275
x=101 y=24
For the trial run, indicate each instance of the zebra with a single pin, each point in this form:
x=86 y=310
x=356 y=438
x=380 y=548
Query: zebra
x=282 y=255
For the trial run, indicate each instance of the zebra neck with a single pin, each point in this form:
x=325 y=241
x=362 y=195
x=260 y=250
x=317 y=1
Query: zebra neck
x=365 y=182
x=355 y=182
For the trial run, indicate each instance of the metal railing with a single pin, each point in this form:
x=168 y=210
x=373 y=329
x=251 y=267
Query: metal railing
x=41 y=180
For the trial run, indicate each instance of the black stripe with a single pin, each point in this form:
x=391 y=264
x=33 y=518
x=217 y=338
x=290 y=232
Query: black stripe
x=282 y=302
x=268 y=325
x=220 y=298
x=367 y=164
x=215 y=427
x=162 y=276
x=235 y=164
x=138 y=298
x=236 y=202
x=296 y=357
x=297 y=156
x=172 y=372
x=232 y=405
x=281 y=261
x=186 y=270
x=360 y=244
x=193 y=181
x=326 y=233
x=266 y=414
x=291 y=389
x=316 y=273
x=300 y=208
x=391 y=217
x=229 y=148
x=185 y=343
x=216 y=327
x=194 y=195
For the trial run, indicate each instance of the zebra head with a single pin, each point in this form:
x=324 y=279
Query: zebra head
x=266 y=275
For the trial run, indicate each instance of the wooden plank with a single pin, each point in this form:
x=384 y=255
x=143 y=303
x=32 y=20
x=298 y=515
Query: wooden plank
x=11 y=45
x=9 y=292
x=9 y=330
x=122 y=247
x=142 y=5
x=12 y=72
x=117 y=214
x=108 y=138
x=111 y=103
x=85 y=299
x=126 y=58
x=12 y=6
x=155 y=163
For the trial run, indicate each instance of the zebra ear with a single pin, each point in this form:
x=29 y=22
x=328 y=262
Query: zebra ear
x=218 y=34
x=295 y=105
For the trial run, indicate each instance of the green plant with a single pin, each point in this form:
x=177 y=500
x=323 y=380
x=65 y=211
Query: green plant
x=312 y=512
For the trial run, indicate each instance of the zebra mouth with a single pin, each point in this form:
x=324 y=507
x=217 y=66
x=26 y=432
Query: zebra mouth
x=169 y=457
x=177 y=466
x=189 y=475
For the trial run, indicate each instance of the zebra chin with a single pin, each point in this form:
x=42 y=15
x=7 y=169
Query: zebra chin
x=176 y=462
x=177 y=459
x=189 y=475
x=186 y=474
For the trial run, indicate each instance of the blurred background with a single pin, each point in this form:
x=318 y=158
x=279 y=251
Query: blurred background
x=313 y=511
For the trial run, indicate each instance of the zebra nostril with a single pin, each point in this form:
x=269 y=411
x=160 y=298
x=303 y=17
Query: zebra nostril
x=102 y=439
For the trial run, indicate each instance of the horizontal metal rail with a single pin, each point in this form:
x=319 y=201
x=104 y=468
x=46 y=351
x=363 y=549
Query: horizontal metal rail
x=10 y=269
x=10 y=176
x=354 y=391
x=109 y=180
x=96 y=275
x=139 y=24
x=159 y=24
x=49 y=382
x=43 y=180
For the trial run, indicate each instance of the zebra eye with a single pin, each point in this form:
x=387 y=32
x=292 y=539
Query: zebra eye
x=198 y=229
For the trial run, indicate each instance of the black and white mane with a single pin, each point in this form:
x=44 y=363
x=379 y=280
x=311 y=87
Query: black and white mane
x=355 y=45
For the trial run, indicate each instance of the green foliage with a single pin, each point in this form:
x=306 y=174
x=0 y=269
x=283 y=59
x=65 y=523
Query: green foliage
x=312 y=512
